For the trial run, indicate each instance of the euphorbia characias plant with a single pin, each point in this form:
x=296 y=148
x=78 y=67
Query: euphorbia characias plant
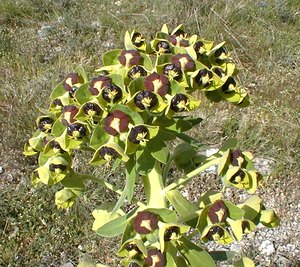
x=125 y=115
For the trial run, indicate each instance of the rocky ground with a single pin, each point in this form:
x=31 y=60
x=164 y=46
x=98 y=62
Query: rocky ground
x=268 y=247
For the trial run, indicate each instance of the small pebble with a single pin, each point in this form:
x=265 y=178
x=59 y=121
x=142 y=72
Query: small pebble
x=1 y=170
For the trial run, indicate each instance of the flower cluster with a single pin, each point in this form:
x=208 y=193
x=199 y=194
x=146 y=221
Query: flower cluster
x=146 y=228
x=126 y=112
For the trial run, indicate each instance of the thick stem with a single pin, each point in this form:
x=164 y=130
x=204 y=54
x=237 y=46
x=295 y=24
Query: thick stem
x=153 y=185
x=184 y=180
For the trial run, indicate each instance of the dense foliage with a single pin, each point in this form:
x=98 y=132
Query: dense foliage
x=139 y=101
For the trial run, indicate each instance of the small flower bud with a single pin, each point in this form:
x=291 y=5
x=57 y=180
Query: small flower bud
x=220 y=54
x=91 y=109
x=199 y=48
x=203 y=77
x=138 y=39
x=76 y=131
x=171 y=233
x=132 y=246
x=57 y=168
x=163 y=47
x=179 y=103
x=45 y=124
x=108 y=153
x=145 y=99
x=56 y=147
x=57 y=104
x=238 y=177
x=229 y=85
x=246 y=227
x=173 y=71
x=220 y=72
x=138 y=134
x=112 y=93
x=136 y=72
x=215 y=233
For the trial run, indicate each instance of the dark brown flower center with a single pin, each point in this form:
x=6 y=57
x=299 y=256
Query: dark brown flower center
x=218 y=212
x=173 y=71
x=229 y=85
x=138 y=134
x=238 y=177
x=45 y=124
x=91 y=109
x=203 y=77
x=138 y=39
x=76 y=131
x=145 y=222
x=215 y=233
x=57 y=168
x=112 y=93
x=108 y=153
x=136 y=72
x=179 y=103
x=163 y=47
x=145 y=99
x=171 y=232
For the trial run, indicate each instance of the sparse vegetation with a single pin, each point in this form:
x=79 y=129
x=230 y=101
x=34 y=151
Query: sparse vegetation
x=41 y=41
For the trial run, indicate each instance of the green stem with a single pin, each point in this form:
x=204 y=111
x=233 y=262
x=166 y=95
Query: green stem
x=184 y=180
x=153 y=185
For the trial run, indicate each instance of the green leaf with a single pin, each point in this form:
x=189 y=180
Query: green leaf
x=185 y=209
x=65 y=198
x=190 y=140
x=183 y=153
x=158 y=149
x=244 y=262
x=145 y=161
x=209 y=197
x=166 y=215
x=235 y=212
x=196 y=256
x=183 y=124
x=82 y=94
x=252 y=207
x=230 y=143
x=99 y=137
x=58 y=91
x=58 y=128
x=269 y=218
x=222 y=255
x=127 y=41
x=111 y=57
x=81 y=72
x=223 y=163
x=131 y=176
x=111 y=224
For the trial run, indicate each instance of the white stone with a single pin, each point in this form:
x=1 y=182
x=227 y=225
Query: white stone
x=267 y=247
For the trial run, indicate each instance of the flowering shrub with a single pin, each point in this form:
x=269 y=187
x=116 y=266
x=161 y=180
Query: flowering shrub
x=139 y=101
